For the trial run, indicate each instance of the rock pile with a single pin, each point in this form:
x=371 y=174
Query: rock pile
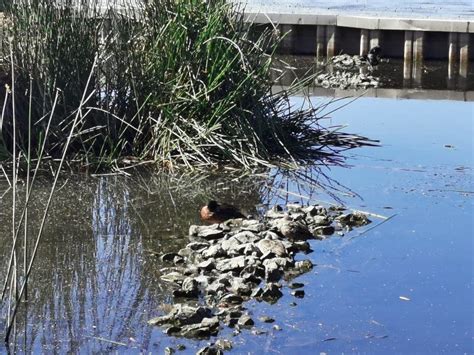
x=348 y=72
x=347 y=80
x=227 y=264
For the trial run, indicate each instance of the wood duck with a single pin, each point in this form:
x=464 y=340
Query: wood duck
x=214 y=212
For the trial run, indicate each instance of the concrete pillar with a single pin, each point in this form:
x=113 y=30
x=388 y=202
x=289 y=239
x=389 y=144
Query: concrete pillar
x=408 y=55
x=418 y=37
x=452 y=54
x=374 y=38
x=320 y=42
x=463 y=54
x=287 y=32
x=331 y=40
x=364 y=42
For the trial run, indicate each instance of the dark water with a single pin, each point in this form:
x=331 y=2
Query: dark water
x=96 y=279
x=432 y=82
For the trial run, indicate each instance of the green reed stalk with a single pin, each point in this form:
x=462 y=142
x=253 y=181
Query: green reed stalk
x=76 y=120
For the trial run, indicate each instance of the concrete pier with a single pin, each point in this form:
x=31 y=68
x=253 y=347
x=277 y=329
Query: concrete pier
x=364 y=42
x=320 y=41
x=414 y=39
x=408 y=55
x=453 y=49
x=463 y=54
x=330 y=40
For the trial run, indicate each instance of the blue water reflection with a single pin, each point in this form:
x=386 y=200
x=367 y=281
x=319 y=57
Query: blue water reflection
x=403 y=286
x=423 y=174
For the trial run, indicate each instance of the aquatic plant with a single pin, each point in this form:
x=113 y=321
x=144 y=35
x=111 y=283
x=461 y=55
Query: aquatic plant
x=180 y=83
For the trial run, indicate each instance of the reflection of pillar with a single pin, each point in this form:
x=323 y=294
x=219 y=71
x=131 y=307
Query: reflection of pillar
x=364 y=42
x=331 y=40
x=374 y=38
x=463 y=54
x=452 y=54
x=418 y=37
x=287 y=32
x=408 y=55
x=320 y=41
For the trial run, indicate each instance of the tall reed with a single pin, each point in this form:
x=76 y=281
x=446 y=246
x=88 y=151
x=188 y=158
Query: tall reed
x=181 y=83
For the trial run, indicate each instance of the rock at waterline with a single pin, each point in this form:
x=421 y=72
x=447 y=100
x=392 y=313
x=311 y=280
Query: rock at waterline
x=227 y=264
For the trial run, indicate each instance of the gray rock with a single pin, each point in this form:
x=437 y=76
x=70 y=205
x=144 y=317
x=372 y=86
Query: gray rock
x=184 y=314
x=250 y=279
x=207 y=327
x=185 y=252
x=272 y=246
x=252 y=225
x=234 y=264
x=251 y=249
x=215 y=288
x=296 y=285
x=169 y=257
x=189 y=284
x=169 y=351
x=196 y=246
x=278 y=263
x=214 y=251
x=273 y=275
x=245 y=321
x=298 y=293
x=321 y=220
x=223 y=344
x=257 y=271
x=174 y=277
x=178 y=259
x=266 y=319
x=304 y=265
x=323 y=230
x=257 y=293
x=206 y=232
x=172 y=330
x=294 y=207
x=207 y=265
x=293 y=230
x=161 y=320
x=302 y=246
x=210 y=350
x=275 y=212
x=204 y=280
x=240 y=287
x=355 y=219
x=230 y=299
x=245 y=237
x=271 y=293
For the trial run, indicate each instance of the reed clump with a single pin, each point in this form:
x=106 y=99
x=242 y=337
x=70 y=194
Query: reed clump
x=177 y=82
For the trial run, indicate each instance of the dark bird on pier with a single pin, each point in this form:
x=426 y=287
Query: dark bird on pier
x=373 y=57
x=215 y=212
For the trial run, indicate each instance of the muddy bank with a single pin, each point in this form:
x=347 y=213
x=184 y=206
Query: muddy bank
x=225 y=265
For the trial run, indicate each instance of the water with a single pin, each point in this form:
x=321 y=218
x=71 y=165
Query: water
x=97 y=276
x=449 y=9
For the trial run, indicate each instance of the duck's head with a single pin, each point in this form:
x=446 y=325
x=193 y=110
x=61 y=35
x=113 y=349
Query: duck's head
x=212 y=205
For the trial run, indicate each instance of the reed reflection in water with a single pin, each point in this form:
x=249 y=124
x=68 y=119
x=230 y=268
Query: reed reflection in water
x=96 y=279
